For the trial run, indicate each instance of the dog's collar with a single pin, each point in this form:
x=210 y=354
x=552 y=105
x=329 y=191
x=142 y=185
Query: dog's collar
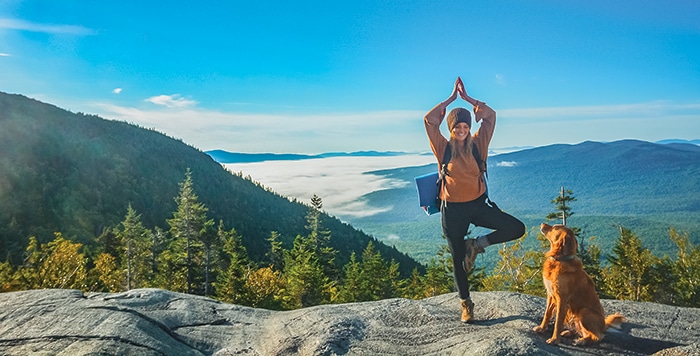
x=563 y=258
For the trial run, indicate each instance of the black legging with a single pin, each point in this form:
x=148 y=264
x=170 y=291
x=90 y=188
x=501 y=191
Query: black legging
x=456 y=218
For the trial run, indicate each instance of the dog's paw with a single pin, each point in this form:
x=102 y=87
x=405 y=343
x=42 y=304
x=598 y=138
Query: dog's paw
x=538 y=329
x=553 y=341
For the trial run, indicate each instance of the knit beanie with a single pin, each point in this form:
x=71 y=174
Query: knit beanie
x=458 y=115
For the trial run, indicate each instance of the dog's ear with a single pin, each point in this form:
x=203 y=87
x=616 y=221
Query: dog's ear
x=545 y=228
x=569 y=243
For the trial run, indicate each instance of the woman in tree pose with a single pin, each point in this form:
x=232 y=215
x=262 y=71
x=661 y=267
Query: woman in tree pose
x=463 y=189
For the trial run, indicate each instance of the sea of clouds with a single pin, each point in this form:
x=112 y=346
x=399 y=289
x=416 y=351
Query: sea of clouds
x=338 y=181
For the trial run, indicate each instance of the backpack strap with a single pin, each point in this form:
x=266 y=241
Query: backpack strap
x=446 y=157
x=481 y=163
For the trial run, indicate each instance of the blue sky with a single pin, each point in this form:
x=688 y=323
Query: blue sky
x=319 y=76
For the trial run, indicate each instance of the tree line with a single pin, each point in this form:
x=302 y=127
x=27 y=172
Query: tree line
x=197 y=255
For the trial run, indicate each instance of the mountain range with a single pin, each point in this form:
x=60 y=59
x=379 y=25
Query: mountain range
x=647 y=187
x=76 y=174
x=222 y=156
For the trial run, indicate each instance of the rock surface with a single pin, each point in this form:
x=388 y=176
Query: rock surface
x=159 y=322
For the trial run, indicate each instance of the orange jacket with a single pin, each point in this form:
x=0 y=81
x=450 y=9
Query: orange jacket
x=465 y=181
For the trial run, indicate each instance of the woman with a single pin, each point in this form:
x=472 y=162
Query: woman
x=464 y=189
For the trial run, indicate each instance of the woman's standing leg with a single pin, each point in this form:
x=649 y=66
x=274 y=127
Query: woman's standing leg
x=455 y=224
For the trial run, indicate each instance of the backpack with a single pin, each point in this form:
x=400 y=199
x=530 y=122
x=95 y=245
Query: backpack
x=430 y=185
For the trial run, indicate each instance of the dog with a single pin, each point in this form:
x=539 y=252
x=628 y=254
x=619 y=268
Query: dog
x=571 y=294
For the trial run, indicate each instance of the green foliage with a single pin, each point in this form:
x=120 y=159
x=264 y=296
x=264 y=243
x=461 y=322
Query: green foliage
x=58 y=264
x=189 y=228
x=231 y=283
x=107 y=274
x=518 y=271
x=305 y=281
x=686 y=269
x=630 y=274
x=372 y=278
x=135 y=243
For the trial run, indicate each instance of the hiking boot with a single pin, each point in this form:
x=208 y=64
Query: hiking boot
x=467 y=310
x=472 y=250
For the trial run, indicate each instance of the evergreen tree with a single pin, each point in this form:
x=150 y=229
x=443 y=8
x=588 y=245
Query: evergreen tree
x=562 y=206
x=276 y=254
x=413 y=289
x=349 y=290
x=687 y=271
x=187 y=228
x=158 y=244
x=436 y=281
x=630 y=274
x=376 y=279
x=306 y=283
x=320 y=239
x=230 y=286
x=210 y=241
x=134 y=239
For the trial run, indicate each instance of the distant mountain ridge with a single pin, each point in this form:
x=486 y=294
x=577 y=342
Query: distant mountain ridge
x=222 y=156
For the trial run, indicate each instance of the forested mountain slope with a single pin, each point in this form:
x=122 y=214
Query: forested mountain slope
x=77 y=173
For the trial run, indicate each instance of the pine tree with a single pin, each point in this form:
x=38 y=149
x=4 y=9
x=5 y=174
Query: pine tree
x=630 y=274
x=687 y=271
x=211 y=240
x=377 y=280
x=187 y=228
x=320 y=239
x=230 y=286
x=134 y=239
x=276 y=254
x=349 y=290
x=437 y=280
x=306 y=283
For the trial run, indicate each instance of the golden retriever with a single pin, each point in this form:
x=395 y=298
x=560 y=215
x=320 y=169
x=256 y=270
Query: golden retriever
x=571 y=294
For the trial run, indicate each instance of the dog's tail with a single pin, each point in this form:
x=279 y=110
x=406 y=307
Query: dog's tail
x=615 y=321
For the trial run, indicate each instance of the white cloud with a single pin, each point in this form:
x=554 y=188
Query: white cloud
x=21 y=25
x=171 y=101
x=250 y=132
x=506 y=164
x=117 y=90
x=4 y=54
x=500 y=79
